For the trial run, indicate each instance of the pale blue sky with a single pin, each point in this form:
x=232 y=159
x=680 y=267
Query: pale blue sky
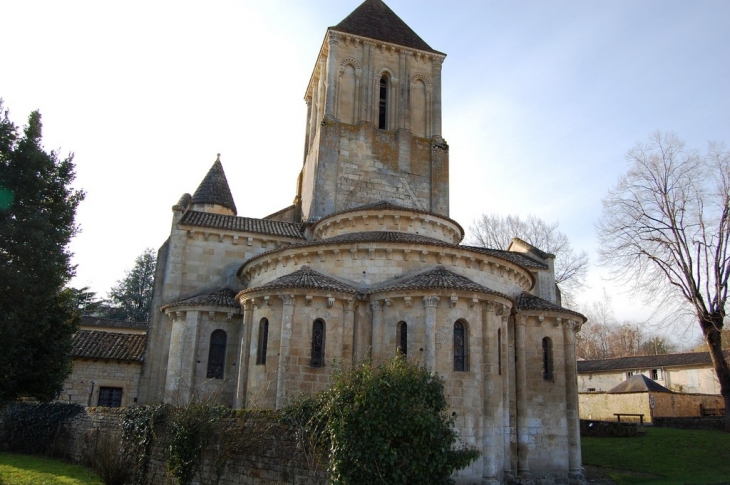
x=541 y=101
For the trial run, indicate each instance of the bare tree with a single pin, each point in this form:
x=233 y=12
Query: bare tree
x=496 y=232
x=665 y=230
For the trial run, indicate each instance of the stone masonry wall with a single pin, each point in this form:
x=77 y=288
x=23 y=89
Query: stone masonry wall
x=82 y=386
x=277 y=460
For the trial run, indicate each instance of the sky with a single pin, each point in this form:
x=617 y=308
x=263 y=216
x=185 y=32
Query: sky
x=541 y=101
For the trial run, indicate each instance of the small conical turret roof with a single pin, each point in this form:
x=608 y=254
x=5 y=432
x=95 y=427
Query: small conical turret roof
x=214 y=188
x=375 y=20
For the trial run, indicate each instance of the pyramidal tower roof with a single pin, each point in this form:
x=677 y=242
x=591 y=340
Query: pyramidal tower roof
x=214 y=188
x=375 y=20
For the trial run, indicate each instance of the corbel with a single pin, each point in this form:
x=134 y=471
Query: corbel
x=353 y=253
x=211 y=315
x=388 y=302
x=249 y=241
x=321 y=256
x=408 y=301
x=330 y=301
x=308 y=300
x=453 y=300
x=371 y=253
x=424 y=253
x=388 y=253
x=337 y=254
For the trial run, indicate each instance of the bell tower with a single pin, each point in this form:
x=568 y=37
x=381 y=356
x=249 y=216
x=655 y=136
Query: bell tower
x=374 y=119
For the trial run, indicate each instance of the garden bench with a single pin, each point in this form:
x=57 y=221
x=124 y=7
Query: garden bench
x=640 y=416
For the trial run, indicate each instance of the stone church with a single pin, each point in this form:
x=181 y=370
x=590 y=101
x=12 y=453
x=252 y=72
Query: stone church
x=365 y=263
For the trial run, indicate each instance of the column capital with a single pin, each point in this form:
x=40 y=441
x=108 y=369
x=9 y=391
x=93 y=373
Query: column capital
x=376 y=305
x=430 y=301
x=287 y=299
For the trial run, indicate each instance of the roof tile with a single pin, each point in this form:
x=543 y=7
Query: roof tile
x=647 y=362
x=222 y=297
x=305 y=277
x=437 y=279
x=93 y=344
x=214 y=188
x=241 y=224
x=526 y=301
x=92 y=321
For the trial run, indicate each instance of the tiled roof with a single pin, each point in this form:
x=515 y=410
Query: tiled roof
x=91 y=321
x=374 y=20
x=305 y=277
x=93 y=344
x=214 y=188
x=526 y=301
x=222 y=297
x=638 y=383
x=647 y=362
x=384 y=205
x=241 y=224
x=437 y=279
x=516 y=258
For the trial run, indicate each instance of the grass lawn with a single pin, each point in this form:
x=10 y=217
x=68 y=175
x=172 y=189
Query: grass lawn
x=662 y=456
x=34 y=470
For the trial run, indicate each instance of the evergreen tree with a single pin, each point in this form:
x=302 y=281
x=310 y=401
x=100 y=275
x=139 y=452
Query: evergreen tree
x=37 y=315
x=131 y=298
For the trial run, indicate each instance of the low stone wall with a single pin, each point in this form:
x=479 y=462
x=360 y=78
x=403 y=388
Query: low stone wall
x=276 y=459
x=608 y=429
x=706 y=422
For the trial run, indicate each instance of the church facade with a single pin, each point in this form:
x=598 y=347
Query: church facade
x=367 y=263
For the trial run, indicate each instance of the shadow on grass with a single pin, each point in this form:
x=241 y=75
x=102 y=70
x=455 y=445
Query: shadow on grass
x=33 y=470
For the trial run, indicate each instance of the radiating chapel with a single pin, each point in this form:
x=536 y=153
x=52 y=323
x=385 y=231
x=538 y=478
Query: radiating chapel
x=365 y=263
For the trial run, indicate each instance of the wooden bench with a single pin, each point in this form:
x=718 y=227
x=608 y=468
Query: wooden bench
x=640 y=416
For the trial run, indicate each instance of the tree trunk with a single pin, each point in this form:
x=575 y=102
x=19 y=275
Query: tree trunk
x=712 y=331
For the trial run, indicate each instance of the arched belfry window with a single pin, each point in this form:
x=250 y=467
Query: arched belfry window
x=547 y=359
x=403 y=338
x=383 y=102
x=216 y=355
x=318 y=343
x=461 y=363
x=263 y=341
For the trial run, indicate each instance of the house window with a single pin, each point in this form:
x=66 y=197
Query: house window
x=499 y=350
x=216 y=355
x=656 y=374
x=263 y=341
x=383 y=103
x=318 y=343
x=460 y=358
x=629 y=374
x=110 y=397
x=403 y=338
x=547 y=359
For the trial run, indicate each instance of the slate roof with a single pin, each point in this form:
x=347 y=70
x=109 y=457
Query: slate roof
x=305 y=277
x=94 y=344
x=91 y=321
x=647 y=362
x=637 y=383
x=241 y=224
x=516 y=258
x=384 y=236
x=437 y=279
x=214 y=188
x=222 y=297
x=374 y=20
x=528 y=302
x=385 y=205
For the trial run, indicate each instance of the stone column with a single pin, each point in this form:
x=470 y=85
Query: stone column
x=308 y=136
x=376 y=343
x=287 y=313
x=571 y=401
x=492 y=445
x=401 y=122
x=506 y=432
x=348 y=334
x=243 y=356
x=523 y=465
x=431 y=303
x=332 y=70
x=180 y=380
x=436 y=97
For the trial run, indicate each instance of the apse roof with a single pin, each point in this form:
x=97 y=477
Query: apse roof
x=241 y=224
x=526 y=301
x=214 y=188
x=305 y=277
x=637 y=383
x=375 y=20
x=94 y=344
x=222 y=297
x=438 y=278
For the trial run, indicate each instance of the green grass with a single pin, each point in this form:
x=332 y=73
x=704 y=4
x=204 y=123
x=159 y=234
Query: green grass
x=34 y=470
x=662 y=456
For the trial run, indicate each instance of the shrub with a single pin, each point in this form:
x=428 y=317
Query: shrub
x=386 y=424
x=34 y=427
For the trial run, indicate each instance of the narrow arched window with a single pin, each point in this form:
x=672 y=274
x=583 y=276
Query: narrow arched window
x=318 y=343
x=403 y=338
x=547 y=359
x=499 y=350
x=263 y=341
x=460 y=358
x=383 y=103
x=216 y=355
